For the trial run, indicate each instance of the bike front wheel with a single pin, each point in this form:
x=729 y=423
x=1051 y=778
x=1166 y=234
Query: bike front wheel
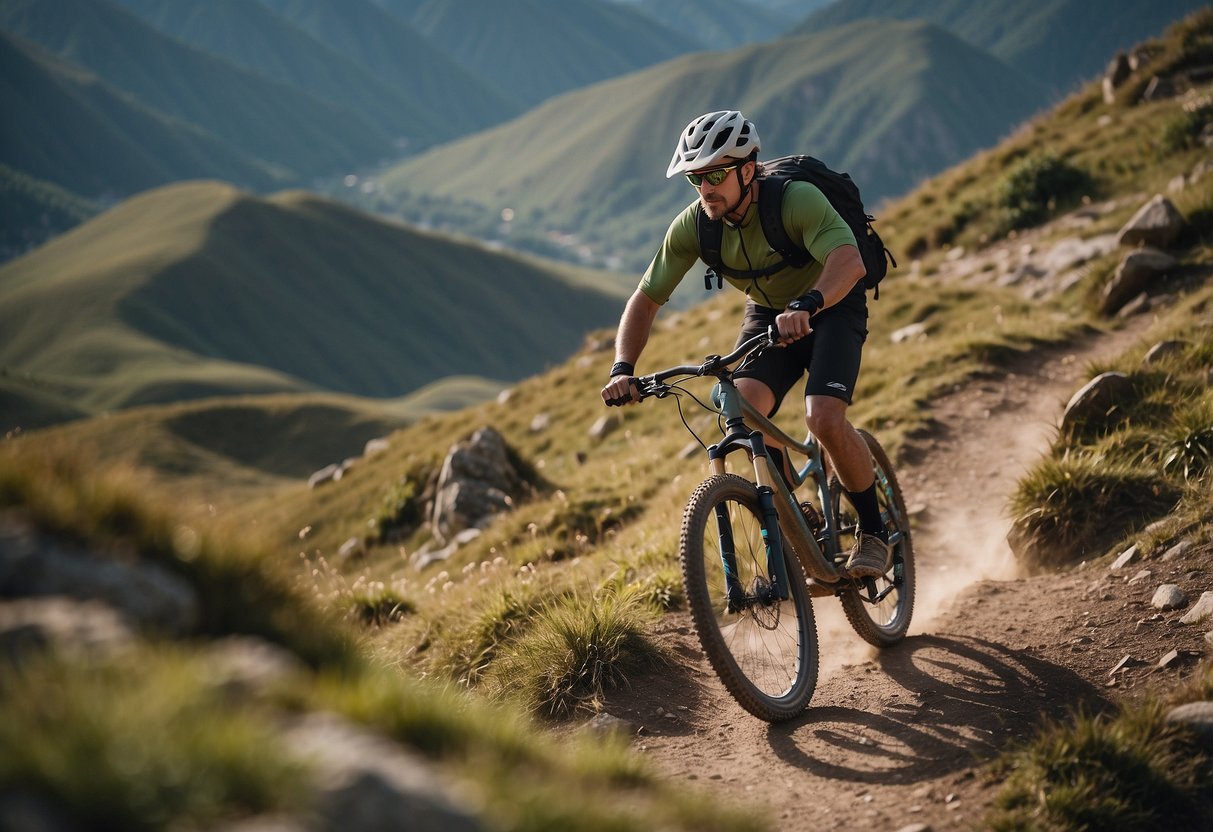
x=879 y=609
x=763 y=649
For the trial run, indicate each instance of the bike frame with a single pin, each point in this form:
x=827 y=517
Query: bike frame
x=776 y=500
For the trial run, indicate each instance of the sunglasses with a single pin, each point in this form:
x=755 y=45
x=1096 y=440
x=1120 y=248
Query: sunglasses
x=712 y=177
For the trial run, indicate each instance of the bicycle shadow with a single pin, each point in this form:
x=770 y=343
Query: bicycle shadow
x=960 y=700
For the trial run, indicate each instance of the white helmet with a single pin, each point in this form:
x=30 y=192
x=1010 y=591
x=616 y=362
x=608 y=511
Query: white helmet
x=711 y=138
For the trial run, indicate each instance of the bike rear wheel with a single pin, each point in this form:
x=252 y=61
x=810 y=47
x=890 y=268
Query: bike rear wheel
x=763 y=649
x=879 y=609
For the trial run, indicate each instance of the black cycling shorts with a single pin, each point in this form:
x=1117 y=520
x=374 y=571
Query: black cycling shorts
x=830 y=352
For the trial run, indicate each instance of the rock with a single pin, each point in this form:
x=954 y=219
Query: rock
x=147 y=594
x=1158 y=223
x=1126 y=662
x=363 y=781
x=505 y=395
x=83 y=628
x=1178 y=550
x=1074 y=251
x=541 y=422
x=352 y=549
x=1158 y=88
x=477 y=482
x=1168 y=597
x=425 y=556
x=907 y=333
x=1126 y=557
x=915 y=827
x=604 y=724
x=329 y=473
x=1137 y=272
x=243 y=666
x=604 y=426
x=1162 y=350
x=1116 y=74
x=1201 y=611
x=1139 y=304
x=1096 y=398
x=376 y=446
x=1140 y=576
x=1196 y=716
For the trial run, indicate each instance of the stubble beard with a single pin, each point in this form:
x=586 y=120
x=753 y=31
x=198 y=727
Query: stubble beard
x=714 y=209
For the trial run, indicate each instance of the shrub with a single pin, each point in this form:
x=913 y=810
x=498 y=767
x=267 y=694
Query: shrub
x=1034 y=188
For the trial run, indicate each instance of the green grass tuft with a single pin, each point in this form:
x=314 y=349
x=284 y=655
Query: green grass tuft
x=577 y=649
x=1130 y=772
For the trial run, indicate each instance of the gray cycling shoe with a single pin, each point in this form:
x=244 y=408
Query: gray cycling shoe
x=870 y=557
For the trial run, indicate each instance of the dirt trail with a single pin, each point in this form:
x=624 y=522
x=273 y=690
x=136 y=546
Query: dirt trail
x=893 y=738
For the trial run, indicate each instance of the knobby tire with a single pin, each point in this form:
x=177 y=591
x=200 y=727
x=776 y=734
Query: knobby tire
x=767 y=655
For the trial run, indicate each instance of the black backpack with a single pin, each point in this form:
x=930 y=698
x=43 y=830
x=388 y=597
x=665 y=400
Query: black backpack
x=841 y=193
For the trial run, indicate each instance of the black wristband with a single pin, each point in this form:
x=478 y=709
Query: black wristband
x=622 y=368
x=811 y=302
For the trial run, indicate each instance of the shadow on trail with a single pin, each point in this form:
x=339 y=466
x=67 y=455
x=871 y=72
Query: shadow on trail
x=957 y=700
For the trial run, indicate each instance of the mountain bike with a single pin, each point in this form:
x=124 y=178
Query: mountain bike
x=748 y=548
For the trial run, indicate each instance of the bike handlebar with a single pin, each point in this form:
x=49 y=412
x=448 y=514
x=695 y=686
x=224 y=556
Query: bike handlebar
x=653 y=384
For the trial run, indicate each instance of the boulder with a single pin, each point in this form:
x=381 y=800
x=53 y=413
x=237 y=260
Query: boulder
x=147 y=594
x=31 y=625
x=1196 y=716
x=1117 y=73
x=1137 y=272
x=363 y=781
x=1168 y=597
x=243 y=666
x=908 y=333
x=1126 y=557
x=1096 y=398
x=1201 y=611
x=477 y=482
x=1157 y=223
x=1160 y=351
x=327 y=474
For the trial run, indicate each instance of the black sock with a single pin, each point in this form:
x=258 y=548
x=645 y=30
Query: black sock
x=869 y=512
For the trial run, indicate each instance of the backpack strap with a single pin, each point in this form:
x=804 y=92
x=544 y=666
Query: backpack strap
x=770 y=214
x=711 y=233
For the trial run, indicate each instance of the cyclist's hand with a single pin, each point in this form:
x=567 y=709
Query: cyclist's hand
x=621 y=390
x=793 y=326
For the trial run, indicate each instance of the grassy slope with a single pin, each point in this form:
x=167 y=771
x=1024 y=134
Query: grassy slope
x=873 y=90
x=261 y=118
x=252 y=36
x=535 y=49
x=1038 y=38
x=400 y=56
x=33 y=210
x=199 y=289
x=65 y=126
x=718 y=24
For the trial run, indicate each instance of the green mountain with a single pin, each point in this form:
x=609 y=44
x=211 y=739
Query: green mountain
x=889 y=102
x=718 y=24
x=262 y=118
x=198 y=290
x=401 y=57
x=252 y=36
x=534 y=49
x=1060 y=43
x=64 y=126
x=33 y=210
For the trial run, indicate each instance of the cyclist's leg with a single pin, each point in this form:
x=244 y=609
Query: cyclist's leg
x=839 y=334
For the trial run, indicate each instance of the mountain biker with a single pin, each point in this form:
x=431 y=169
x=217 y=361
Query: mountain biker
x=820 y=309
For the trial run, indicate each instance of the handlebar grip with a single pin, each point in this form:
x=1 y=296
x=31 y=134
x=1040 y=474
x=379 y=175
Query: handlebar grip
x=622 y=400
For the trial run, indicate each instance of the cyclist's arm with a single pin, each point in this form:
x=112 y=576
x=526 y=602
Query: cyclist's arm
x=630 y=339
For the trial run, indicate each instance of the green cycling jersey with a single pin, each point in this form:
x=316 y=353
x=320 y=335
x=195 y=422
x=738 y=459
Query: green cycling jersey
x=807 y=216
